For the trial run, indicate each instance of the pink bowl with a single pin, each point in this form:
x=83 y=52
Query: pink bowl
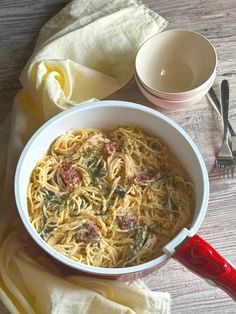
x=176 y=64
x=172 y=104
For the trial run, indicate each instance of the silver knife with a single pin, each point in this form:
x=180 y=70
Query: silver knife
x=211 y=95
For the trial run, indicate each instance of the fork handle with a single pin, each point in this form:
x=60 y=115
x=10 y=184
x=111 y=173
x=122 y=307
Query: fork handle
x=225 y=106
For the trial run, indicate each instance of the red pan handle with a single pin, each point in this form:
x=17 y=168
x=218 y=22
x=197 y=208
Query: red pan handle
x=200 y=257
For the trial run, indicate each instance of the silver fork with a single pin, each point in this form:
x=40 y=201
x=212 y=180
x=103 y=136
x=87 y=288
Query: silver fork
x=224 y=159
x=216 y=105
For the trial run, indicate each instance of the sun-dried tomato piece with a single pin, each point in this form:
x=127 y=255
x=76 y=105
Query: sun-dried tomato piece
x=145 y=179
x=69 y=174
x=164 y=169
x=127 y=221
x=141 y=179
x=111 y=148
x=88 y=232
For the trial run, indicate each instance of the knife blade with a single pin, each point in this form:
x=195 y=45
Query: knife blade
x=211 y=95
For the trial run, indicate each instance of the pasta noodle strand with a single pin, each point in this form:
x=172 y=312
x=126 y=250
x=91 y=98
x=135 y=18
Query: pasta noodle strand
x=109 y=198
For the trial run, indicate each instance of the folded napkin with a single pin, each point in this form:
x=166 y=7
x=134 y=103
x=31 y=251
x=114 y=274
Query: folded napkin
x=86 y=51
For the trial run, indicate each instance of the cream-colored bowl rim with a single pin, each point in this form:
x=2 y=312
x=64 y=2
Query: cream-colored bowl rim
x=172 y=95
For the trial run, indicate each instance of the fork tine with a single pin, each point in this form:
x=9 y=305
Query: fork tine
x=228 y=168
x=224 y=168
x=233 y=146
x=220 y=169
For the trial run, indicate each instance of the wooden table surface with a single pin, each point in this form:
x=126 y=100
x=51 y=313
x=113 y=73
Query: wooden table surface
x=20 y=22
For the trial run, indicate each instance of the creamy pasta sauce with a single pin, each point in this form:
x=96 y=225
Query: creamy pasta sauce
x=109 y=198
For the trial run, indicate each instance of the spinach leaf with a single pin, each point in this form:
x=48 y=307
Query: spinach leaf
x=101 y=172
x=83 y=203
x=99 y=244
x=153 y=145
x=50 y=197
x=54 y=200
x=44 y=220
x=120 y=191
x=140 y=237
x=91 y=161
x=173 y=183
x=98 y=170
x=168 y=204
x=46 y=232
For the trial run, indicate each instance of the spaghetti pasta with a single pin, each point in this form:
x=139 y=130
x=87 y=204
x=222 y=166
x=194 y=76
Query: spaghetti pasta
x=109 y=198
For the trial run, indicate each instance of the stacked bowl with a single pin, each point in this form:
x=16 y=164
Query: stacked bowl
x=176 y=68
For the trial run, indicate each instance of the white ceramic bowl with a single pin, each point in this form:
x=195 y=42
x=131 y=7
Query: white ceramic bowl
x=103 y=115
x=172 y=104
x=176 y=64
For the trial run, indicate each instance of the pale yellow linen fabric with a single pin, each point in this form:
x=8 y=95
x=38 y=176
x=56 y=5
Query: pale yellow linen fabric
x=86 y=51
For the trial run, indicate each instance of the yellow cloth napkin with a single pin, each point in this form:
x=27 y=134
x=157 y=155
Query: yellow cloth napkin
x=86 y=51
